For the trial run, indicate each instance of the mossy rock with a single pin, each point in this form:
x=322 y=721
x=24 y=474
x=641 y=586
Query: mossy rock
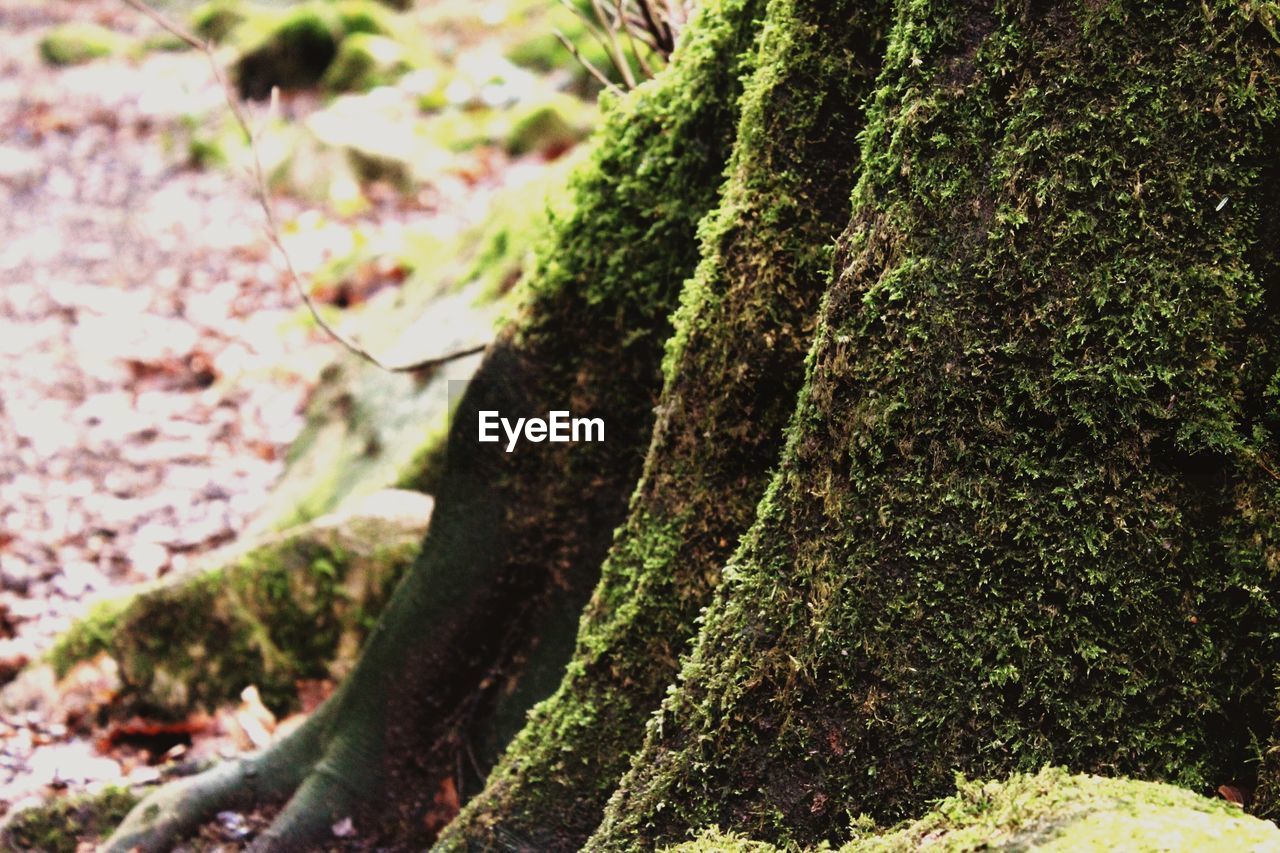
x=1054 y=811
x=295 y=607
x=215 y=20
x=553 y=124
x=382 y=138
x=364 y=62
x=293 y=48
x=62 y=824
x=78 y=43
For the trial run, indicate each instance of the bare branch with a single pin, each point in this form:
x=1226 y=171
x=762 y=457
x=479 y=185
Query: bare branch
x=262 y=191
x=631 y=39
x=600 y=76
x=605 y=37
x=616 y=54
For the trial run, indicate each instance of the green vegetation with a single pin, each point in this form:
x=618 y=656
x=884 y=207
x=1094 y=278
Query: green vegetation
x=1019 y=519
x=1053 y=811
x=293 y=48
x=936 y=343
x=706 y=469
x=64 y=824
x=78 y=43
x=365 y=61
x=294 y=608
x=215 y=20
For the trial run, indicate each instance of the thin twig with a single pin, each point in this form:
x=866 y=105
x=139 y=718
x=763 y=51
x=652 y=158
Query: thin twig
x=631 y=39
x=600 y=76
x=616 y=54
x=602 y=36
x=264 y=200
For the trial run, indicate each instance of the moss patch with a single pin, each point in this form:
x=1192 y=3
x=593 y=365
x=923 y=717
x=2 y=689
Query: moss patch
x=294 y=47
x=63 y=824
x=1053 y=811
x=78 y=43
x=297 y=607
x=365 y=61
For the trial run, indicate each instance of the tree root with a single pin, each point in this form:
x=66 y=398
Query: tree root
x=325 y=770
x=178 y=809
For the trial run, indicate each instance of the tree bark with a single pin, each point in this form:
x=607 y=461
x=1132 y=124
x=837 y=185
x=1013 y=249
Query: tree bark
x=1025 y=515
x=734 y=366
x=1019 y=509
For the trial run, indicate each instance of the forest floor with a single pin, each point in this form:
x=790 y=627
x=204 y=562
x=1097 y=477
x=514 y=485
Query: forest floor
x=151 y=375
x=154 y=364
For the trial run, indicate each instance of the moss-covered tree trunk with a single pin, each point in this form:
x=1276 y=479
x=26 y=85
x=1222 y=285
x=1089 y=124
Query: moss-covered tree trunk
x=1017 y=507
x=733 y=370
x=1027 y=510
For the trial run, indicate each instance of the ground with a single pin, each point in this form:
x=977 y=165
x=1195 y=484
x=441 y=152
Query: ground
x=155 y=359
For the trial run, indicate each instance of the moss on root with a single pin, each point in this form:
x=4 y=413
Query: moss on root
x=1024 y=515
x=296 y=607
x=766 y=266
x=66 y=824
x=1053 y=811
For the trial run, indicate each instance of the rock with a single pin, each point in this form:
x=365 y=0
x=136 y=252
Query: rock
x=78 y=43
x=365 y=61
x=1053 y=810
x=293 y=607
x=215 y=20
x=294 y=48
x=62 y=824
x=380 y=135
x=550 y=125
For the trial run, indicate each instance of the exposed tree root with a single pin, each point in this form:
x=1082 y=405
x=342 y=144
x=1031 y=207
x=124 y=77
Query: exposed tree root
x=178 y=809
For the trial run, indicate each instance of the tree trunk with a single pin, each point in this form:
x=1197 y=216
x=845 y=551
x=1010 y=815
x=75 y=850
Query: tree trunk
x=1019 y=509
x=733 y=369
x=483 y=625
x=1027 y=513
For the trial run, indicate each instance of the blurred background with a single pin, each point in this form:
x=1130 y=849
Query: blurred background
x=179 y=439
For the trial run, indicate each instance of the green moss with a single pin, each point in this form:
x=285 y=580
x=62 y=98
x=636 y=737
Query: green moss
x=364 y=62
x=552 y=124
x=215 y=20
x=1053 y=811
x=294 y=47
x=65 y=824
x=88 y=637
x=706 y=469
x=1020 y=518
x=293 y=608
x=78 y=43
x=163 y=43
